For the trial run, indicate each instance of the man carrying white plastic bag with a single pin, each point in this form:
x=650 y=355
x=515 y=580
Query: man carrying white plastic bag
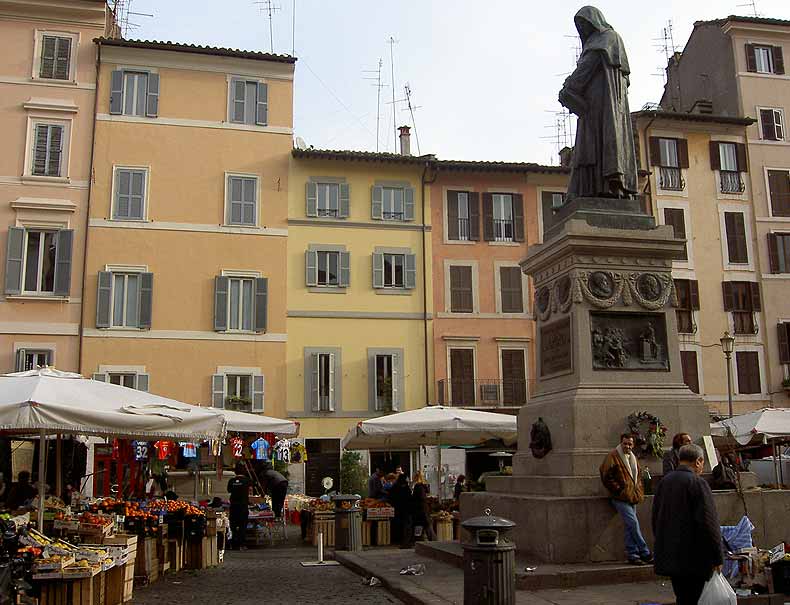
x=688 y=545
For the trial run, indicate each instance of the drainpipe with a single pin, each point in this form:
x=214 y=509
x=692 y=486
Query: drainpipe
x=428 y=165
x=88 y=213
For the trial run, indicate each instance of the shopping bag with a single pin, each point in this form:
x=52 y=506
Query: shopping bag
x=717 y=591
x=418 y=531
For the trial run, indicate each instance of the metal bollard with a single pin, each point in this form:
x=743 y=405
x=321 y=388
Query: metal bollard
x=348 y=523
x=489 y=561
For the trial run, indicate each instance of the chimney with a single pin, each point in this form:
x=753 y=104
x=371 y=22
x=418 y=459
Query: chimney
x=405 y=140
x=566 y=154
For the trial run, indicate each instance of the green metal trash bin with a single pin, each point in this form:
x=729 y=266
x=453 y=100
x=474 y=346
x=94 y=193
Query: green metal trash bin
x=489 y=561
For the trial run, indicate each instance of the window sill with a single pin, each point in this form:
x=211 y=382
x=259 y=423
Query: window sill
x=460 y=242
x=44 y=297
x=394 y=291
x=66 y=82
x=239 y=226
x=327 y=289
x=506 y=243
x=121 y=329
x=141 y=221
x=672 y=192
x=238 y=332
x=32 y=178
x=326 y=218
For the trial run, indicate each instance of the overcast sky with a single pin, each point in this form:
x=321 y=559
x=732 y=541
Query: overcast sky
x=484 y=76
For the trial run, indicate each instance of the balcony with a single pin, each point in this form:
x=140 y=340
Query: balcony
x=731 y=182
x=482 y=393
x=670 y=179
x=503 y=230
x=463 y=229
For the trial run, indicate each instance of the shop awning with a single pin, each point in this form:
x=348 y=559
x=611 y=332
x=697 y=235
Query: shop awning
x=754 y=428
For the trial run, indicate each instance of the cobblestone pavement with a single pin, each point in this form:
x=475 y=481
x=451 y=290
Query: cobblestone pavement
x=264 y=576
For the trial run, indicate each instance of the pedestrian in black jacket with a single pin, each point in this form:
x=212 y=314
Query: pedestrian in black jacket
x=686 y=527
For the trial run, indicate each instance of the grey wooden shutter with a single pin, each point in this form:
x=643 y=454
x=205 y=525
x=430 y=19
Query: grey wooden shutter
x=116 y=92
x=654 y=148
x=377 y=202
x=146 y=301
x=408 y=204
x=220 y=303
x=345 y=269
x=55 y=151
x=64 y=243
x=315 y=404
x=262 y=104
x=397 y=383
x=62 y=56
x=452 y=215
x=715 y=155
x=779 y=61
x=784 y=342
x=474 y=216
x=373 y=403
x=694 y=294
x=238 y=90
x=741 y=157
x=683 y=153
x=103 y=299
x=261 y=303
x=100 y=377
x=311 y=196
x=410 y=272
x=123 y=193
x=344 y=210
x=728 y=295
x=152 y=98
x=257 y=393
x=15 y=253
x=518 y=217
x=488 y=217
x=47 y=69
x=751 y=59
x=142 y=382
x=333 y=373
x=218 y=391
x=311 y=268
x=378 y=270
x=19 y=362
x=40 y=148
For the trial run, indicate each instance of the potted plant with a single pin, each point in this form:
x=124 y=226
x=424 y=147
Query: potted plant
x=786 y=384
x=238 y=404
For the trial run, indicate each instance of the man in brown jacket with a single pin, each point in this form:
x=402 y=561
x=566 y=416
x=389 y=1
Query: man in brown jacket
x=620 y=476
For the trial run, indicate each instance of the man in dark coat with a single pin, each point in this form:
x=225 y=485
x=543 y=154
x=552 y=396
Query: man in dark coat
x=686 y=527
x=239 y=490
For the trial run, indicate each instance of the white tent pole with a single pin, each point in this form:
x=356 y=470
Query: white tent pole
x=42 y=440
x=439 y=468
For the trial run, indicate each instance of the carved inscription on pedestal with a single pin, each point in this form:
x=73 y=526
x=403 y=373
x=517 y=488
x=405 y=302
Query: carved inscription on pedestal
x=556 y=355
x=629 y=341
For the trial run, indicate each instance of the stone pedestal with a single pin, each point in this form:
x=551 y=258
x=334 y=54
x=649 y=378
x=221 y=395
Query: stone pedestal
x=607 y=347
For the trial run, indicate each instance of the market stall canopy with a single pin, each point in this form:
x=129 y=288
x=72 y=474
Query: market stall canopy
x=51 y=401
x=754 y=428
x=432 y=425
x=243 y=422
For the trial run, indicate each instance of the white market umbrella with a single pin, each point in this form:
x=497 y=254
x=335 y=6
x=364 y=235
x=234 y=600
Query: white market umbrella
x=755 y=427
x=47 y=401
x=433 y=425
x=244 y=422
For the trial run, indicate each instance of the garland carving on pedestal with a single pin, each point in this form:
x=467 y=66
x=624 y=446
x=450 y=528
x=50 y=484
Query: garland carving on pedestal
x=649 y=434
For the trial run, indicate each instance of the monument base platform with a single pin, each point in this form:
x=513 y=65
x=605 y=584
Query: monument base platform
x=587 y=529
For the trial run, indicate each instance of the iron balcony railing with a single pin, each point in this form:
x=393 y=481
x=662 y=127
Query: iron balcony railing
x=503 y=230
x=463 y=229
x=670 y=179
x=467 y=392
x=731 y=182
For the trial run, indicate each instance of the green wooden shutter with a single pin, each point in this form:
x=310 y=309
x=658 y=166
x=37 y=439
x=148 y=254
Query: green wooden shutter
x=220 y=303
x=314 y=378
x=715 y=155
x=408 y=204
x=474 y=216
x=152 y=98
x=754 y=295
x=311 y=196
x=741 y=157
x=64 y=243
x=146 y=301
x=728 y=296
x=311 y=267
x=683 y=153
x=344 y=211
x=333 y=372
x=261 y=304
x=773 y=252
x=116 y=92
x=376 y=202
x=103 y=298
x=15 y=254
x=257 y=393
x=694 y=294
x=345 y=269
x=142 y=382
x=768 y=124
x=518 y=217
x=654 y=149
x=218 y=391
x=410 y=272
x=262 y=105
x=378 y=270
x=372 y=386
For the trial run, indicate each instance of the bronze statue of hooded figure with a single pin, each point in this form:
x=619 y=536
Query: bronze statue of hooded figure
x=604 y=161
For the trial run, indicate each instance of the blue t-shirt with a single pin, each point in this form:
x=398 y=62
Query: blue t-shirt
x=261 y=447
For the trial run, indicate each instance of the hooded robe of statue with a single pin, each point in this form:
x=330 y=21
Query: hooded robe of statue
x=604 y=161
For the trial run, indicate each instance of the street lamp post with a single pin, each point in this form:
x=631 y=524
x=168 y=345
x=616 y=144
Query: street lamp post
x=727 y=346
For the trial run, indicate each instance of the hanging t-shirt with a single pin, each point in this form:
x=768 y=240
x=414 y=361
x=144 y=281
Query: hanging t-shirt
x=298 y=453
x=282 y=450
x=189 y=450
x=237 y=446
x=140 y=450
x=216 y=447
x=261 y=448
x=116 y=449
x=163 y=449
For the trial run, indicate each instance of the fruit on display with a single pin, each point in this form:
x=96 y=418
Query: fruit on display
x=90 y=518
x=373 y=503
x=322 y=506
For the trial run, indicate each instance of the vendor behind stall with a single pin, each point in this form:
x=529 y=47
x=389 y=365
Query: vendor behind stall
x=21 y=492
x=276 y=485
x=239 y=490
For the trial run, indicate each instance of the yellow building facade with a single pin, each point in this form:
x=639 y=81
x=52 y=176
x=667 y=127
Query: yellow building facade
x=359 y=294
x=185 y=272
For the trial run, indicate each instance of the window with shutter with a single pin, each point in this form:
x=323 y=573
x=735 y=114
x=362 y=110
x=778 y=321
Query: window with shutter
x=238 y=392
x=135 y=93
x=670 y=155
x=385 y=382
x=510 y=290
x=242 y=204
x=39 y=266
x=55 y=58
x=462 y=377
x=737 y=250
x=248 y=102
x=32 y=359
x=394 y=270
x=551 y=202
x=130 y=188
x=328 y=268
x=47 y=153
x=784 y=342
x=503 y=217
x=675 y=217
x=125 y=300
x=325 y=381
x=514 y=377
x=779 y=252
x=459 y=216
x=742 y=299
x=461 y=294
x=779 y=188
x=688 y=301
x=772 y=124
x=241 y=305
x=123 y=379
x=688 y=363
x=748 y=372
x=328 y=199
x=261 y=318
x=763 y=59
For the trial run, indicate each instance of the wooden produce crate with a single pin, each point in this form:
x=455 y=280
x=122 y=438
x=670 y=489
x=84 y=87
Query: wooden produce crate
x=444 y=531
x=175 y=555
x=54 y=593
x=114 y=585
x=383 y=533
x=367 y=527
x=128 y=581
x=323 y=522
x=163 y=554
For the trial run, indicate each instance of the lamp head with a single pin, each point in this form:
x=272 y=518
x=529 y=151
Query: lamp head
x=727 y=344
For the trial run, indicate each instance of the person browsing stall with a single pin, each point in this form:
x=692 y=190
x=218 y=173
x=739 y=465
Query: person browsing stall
x=276 y=485
x=239 y=490
x=670 y=462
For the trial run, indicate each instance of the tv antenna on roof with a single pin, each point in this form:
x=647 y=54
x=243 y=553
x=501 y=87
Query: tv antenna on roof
x=379 y=85
x=269 y=7
x=751 y=4
x=392 y=41
x=121 y=10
